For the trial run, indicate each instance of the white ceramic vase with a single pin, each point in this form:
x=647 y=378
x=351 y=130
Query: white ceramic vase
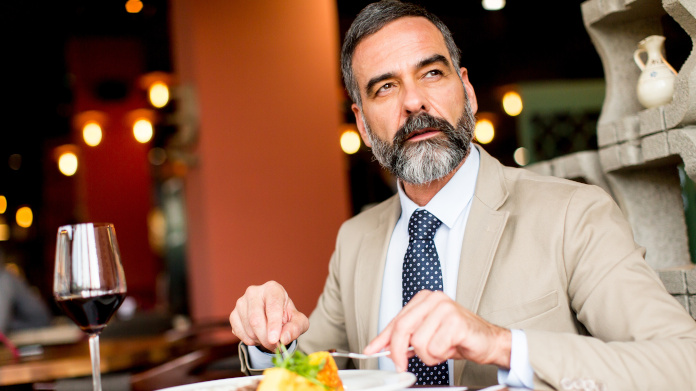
x=656 y=81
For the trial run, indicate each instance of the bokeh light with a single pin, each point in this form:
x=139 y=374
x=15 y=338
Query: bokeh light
x=142 y=130
x=24 y=217
x=521 y=156
x=67 y=163
x=512 y=103
x=484 y=131
x=350 y=142
x=15 y=161
x=3 y=204
x=92 y=134
x=134 y=6
x=493 y=5
x=157 y=156
x=159 y=94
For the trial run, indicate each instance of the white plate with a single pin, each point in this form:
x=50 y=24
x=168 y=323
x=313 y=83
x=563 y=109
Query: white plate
x=353 y=380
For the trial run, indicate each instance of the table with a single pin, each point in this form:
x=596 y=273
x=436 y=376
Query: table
x=117 y=354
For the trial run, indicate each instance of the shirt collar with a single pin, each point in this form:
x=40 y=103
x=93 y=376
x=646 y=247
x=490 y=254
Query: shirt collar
x=452 y=199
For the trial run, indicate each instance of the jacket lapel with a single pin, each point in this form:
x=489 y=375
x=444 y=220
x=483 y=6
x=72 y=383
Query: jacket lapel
x=483 y=231
x=369 y=274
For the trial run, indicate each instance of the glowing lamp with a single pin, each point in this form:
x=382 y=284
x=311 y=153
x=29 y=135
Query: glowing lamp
x=24 y=217
x=493 y=5
x=350 y=142
x=521 y=156
x=92 y=134
x=512 y=103
x=157 y=85
x=134 y=6
x=484 y=131
x=91 y=123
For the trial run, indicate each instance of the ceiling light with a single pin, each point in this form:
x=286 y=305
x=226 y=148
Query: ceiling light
x=484 y=131
x=493 y=5
x=350 y=142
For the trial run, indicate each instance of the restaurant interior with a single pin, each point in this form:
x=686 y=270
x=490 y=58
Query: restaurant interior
x=218 y=139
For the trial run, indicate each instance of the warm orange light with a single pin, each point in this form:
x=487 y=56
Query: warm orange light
x=484 y=131
x=3 y=204
x=159 y=94
x=142 y=130
x=134 y=6
x=67 y=163
x=92 y=134
x=512 y=103
x=4 y=232
x=350 y=142
x=24 y=217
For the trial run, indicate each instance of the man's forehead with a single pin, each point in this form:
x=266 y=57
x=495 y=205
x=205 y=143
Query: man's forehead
x=404 y=40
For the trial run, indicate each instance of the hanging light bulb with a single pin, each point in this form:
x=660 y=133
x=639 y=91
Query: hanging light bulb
x=92 y=134
x=484 y=132
x=142 y=130
x=134 y=6
x=350 y=141
x=159 y=94
x=512 y=103
x=493 y=5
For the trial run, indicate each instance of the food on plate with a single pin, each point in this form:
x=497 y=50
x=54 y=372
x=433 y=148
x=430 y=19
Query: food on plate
x=299 y=372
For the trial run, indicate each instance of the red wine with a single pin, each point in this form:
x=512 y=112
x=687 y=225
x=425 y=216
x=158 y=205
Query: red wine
x=91 y=313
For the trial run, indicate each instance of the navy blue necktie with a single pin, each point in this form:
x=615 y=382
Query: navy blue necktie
x=422 y=270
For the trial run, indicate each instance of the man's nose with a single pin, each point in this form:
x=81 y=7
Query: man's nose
x=414 y=101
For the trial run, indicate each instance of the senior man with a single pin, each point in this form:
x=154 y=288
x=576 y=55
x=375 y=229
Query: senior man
x=493 y=274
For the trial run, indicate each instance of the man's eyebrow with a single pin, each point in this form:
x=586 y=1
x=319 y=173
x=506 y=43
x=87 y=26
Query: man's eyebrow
x=433 y=59
x=422 y=63
x=371 y=84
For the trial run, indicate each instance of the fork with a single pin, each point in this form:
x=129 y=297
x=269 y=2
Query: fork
x=361 y=356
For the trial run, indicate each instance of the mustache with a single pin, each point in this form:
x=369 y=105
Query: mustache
x=419 y=122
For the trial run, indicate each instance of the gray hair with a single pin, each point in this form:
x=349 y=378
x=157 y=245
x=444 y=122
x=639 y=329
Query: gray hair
x=370 y=20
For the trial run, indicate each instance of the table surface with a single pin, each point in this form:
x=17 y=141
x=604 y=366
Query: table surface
x=117 y=354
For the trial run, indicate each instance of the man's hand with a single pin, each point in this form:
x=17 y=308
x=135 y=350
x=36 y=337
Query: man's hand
x=439 y=329
x=265 y=315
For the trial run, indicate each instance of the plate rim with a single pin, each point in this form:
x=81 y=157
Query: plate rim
x=411 y=379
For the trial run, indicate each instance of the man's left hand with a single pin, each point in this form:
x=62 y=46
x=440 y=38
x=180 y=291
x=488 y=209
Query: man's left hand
x=439 y=329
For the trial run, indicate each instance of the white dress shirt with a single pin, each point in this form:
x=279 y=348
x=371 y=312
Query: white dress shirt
x=451 y=206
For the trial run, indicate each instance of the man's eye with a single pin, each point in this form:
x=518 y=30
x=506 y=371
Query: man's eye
x=434 y=73
x=385 y=88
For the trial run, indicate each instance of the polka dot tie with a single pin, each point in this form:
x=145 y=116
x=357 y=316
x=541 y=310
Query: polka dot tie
x=422 y=270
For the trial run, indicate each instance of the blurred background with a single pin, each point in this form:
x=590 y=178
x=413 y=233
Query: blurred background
x=216 y=135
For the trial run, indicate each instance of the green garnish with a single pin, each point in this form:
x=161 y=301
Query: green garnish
x=298 y=363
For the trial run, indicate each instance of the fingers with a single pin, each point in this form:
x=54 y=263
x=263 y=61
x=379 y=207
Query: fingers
x=297 y=325
x=263 y=313
x=271 y=311
x=439 y=329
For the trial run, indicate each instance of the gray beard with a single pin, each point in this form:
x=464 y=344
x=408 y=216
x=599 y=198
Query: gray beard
x=424 y=161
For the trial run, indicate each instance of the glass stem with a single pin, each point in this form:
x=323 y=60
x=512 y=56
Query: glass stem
x=94 y=353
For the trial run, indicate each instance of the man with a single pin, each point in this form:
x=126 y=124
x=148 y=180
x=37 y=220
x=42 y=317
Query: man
x=514 y=278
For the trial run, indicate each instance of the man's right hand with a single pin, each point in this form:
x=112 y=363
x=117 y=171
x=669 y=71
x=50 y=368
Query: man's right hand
x=265 y=315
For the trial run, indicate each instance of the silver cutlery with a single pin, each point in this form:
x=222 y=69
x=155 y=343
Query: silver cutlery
x=361 y=356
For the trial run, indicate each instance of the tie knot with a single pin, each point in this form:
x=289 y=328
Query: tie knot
x=422 y=225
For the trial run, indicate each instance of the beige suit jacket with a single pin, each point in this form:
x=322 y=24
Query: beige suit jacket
x=553 y=257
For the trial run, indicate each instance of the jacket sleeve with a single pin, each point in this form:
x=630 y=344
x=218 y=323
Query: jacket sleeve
x=641 y=337
x=327 y=323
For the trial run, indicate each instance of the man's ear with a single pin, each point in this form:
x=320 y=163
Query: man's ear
x=469 y=89
x=361 y=125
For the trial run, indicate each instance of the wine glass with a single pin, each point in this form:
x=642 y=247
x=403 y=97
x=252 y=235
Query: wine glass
x=89 y=284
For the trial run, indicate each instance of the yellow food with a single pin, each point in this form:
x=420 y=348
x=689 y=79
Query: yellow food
x=316 y=372
x=280 y=379
x=329 y=372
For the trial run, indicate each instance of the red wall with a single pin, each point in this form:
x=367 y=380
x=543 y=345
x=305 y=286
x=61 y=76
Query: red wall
x=113 y=179
x=269 y=191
